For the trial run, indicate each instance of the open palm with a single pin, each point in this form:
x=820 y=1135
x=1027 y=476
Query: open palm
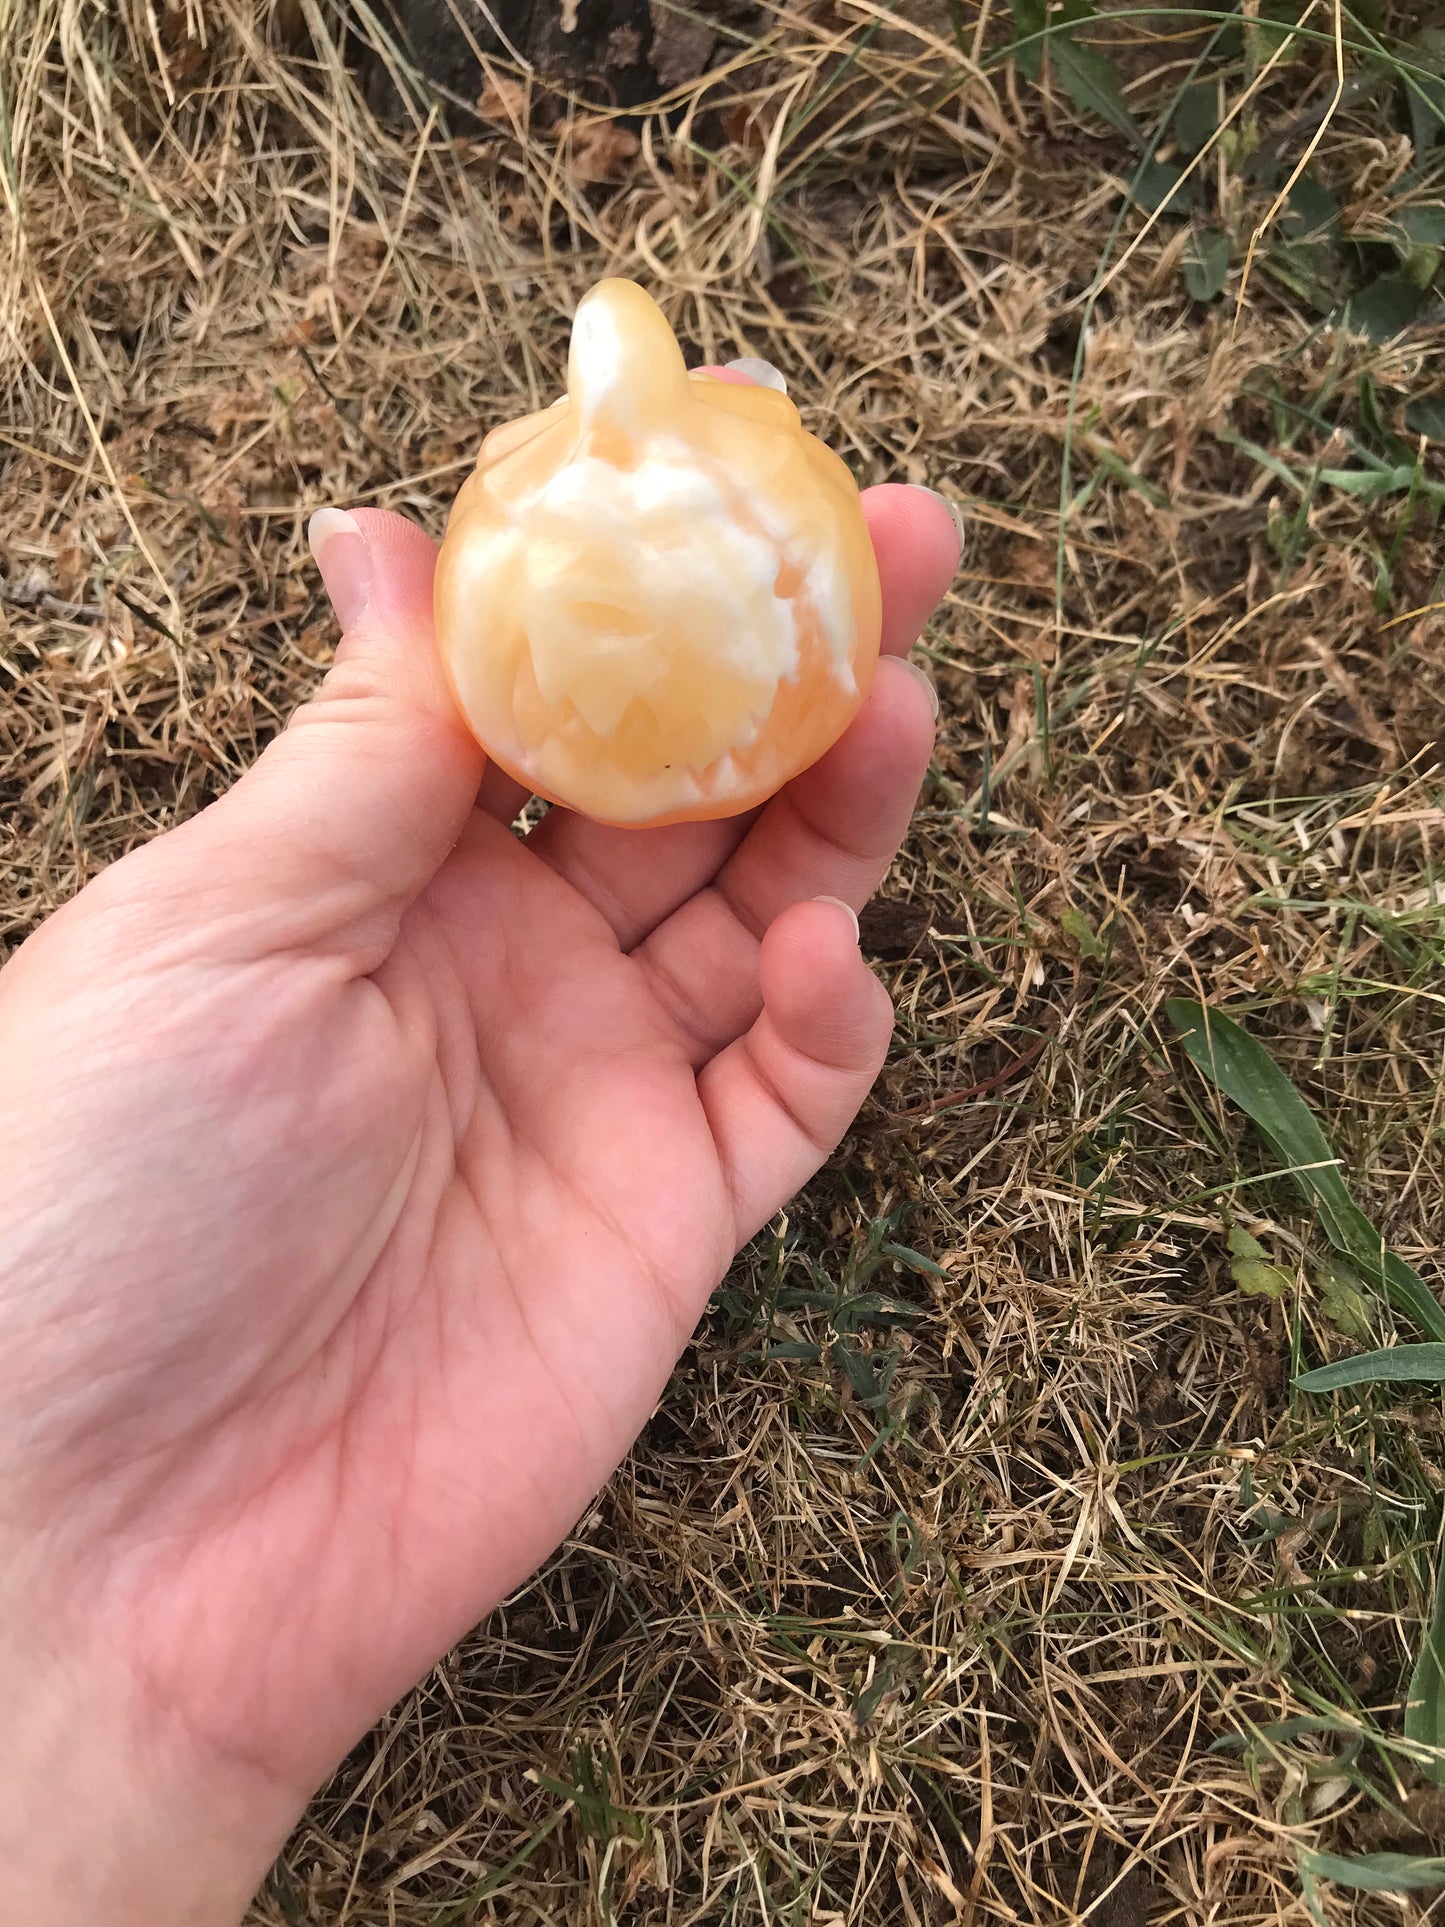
x=367 y=1167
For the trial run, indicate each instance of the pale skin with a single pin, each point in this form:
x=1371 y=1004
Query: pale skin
x=364 y=1170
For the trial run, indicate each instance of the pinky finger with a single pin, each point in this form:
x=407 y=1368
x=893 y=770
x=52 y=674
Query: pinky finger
x=780 y=1098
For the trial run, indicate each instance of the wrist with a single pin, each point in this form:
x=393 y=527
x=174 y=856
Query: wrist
x=112 y=1811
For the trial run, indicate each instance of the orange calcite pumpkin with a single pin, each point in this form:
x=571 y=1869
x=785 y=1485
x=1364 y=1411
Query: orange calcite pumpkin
x=657 y=599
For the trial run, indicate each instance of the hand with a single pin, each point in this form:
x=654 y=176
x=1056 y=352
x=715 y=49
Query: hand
x=364 y=1169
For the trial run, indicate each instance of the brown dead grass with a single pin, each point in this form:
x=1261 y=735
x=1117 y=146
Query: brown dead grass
x=963 y=1605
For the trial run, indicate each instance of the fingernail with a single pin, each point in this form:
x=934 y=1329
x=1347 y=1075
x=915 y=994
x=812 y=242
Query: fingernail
x=846 y=908
x=344 y=561
x=953 y=508
x=927 y=681
x=763 y=373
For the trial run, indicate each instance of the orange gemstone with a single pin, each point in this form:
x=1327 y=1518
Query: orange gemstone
x=657 y=600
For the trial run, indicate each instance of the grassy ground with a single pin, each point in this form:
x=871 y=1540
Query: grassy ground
x=980 y=1562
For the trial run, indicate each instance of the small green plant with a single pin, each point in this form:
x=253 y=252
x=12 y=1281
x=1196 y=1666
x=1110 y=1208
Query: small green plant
x=1207 y=161
x=1087 y=76
x=602 y=1824
x=849 y=1314
x=1375 y=1873
x=1239 y=1066
x=1246 y=1073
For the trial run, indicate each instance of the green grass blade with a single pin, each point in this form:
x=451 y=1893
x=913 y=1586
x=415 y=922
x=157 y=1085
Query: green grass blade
x=1425 y=1701
x=1375 y=1873
x=1400 y=1365
x=1206 y=263
x=489 y=1883
x=1405 y=1288
x=1087 y=76
x=1089 y=79
x=1250 y=1078
x=1246 y=1073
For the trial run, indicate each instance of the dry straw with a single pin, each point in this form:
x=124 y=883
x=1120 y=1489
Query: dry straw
x=936 y=1590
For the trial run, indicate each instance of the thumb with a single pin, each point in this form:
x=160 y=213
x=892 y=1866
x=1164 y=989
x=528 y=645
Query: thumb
x=349 y=813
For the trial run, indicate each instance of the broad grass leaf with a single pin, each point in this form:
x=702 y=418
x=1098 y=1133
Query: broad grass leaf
x=1249 y=1076
x=1426 y=96
x=1375 y=1873
x=1427 y=112
x=1250 y=1267
x=912 y=1260
x=1312 y=213
x=1423 y=225
x=1206 y=263
x=1341 y=1300
x=1086 y=76
x=1371 y=484
x=1277 y=36
x=1425 y=1701
x=857 y=1368
x=1427 y=418
x=1197 y=116
x=1396 y=1365
x=1030 y=20
x=1159 y=181
x=1377 y=405
x=1290 y=1729
x=1246 y=1073
x=1091 y=83
x=1384 y=309
x=1075 y=924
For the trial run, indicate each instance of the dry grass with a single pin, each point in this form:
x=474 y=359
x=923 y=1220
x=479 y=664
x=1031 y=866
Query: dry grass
x=979 y=1533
